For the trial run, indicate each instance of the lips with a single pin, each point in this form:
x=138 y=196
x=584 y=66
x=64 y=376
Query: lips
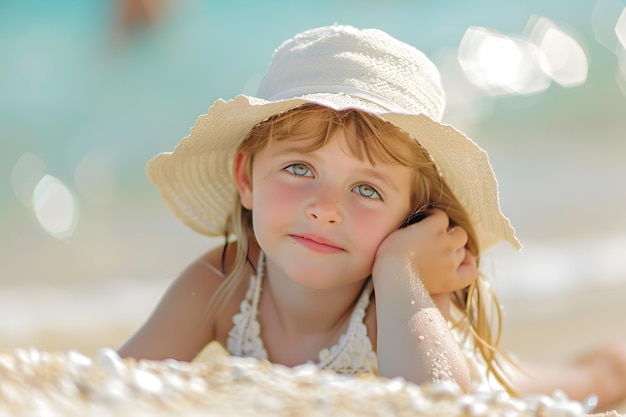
x=317 y=243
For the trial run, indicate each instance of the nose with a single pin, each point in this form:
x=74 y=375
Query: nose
x=325 y=207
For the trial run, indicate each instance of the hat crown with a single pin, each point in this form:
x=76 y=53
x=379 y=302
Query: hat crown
x=368 y=64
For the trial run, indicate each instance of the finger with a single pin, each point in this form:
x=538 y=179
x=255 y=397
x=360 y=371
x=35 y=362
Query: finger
x=440 y=215
x=458 y=235
x=464 y=272
x=432 y=219
x=467 y=272
x=459 y=256
x=437 y=220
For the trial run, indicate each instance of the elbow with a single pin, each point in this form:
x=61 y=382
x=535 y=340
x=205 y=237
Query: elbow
x=451 y=368
x=457 y=374
x=461 y=376
x=454 y=369
x=448 y=370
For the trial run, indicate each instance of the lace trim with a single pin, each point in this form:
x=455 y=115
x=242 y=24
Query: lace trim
x=244 y=339
x=352 y=354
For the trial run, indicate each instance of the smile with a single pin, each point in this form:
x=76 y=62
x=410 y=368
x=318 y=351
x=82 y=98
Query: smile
x=316 y=243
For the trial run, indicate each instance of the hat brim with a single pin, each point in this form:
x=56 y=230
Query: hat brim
x=195 y=179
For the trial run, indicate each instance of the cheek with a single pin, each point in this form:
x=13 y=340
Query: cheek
x=275 y=202
x=370 y=229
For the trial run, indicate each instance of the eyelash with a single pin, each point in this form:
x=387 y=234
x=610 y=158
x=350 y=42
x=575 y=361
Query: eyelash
x=290 y=170
x=378 y=196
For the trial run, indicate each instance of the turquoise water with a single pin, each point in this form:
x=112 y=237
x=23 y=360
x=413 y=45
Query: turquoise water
x=89 y=102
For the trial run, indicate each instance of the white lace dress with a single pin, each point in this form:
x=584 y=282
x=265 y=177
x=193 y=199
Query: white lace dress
x=352 y=354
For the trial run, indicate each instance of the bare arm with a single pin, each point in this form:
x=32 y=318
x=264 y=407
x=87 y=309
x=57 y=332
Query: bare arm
x=177 y=328
x=414 y=340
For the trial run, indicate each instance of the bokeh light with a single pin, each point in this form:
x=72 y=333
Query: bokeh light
x=563 y=58
x=604 y=21
x=25 y=175
x=55 y=207
x=500 y=64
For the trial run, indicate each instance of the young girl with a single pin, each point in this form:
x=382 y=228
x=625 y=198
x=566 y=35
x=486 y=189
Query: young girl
x=353 y=221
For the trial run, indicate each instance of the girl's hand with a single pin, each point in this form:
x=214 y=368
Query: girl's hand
x=435 y=251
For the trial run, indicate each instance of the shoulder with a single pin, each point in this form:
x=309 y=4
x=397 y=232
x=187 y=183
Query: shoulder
x=221 y=263
x=203 y=276
x=180 y=326
x=199 y=280
x=202 y=279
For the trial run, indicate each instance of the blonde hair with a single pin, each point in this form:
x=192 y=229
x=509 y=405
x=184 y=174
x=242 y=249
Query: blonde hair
x=377 y=141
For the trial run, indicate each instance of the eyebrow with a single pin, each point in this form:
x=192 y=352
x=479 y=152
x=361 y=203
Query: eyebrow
x=386 y=179
x=291 y=149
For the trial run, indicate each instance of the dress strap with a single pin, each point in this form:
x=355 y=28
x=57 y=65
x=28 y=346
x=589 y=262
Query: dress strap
x=210 y=266
x=244 y=339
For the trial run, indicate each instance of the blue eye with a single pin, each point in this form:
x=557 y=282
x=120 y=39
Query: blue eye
x=366 y=191
x=299 y=170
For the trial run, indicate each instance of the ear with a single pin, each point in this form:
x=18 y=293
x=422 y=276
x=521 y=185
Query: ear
x=243 y=179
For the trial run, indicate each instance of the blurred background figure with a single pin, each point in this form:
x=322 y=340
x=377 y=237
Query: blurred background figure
x=131 y=16
x=134 y=14
x=89 y=91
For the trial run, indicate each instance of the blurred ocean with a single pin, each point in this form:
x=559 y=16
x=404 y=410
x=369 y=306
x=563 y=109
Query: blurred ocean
x=90 y=90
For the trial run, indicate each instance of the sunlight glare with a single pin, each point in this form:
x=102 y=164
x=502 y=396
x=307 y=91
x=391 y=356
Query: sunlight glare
x=55 y=207
x=603 y=22
x=499 y=64
x=25 y=175
x=489 y=59
x=564 y=60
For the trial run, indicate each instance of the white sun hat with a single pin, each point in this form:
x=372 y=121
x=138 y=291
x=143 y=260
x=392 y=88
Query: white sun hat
x=339 y=67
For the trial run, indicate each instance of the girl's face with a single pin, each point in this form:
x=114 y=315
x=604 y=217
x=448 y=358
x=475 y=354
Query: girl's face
x=320 y=216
